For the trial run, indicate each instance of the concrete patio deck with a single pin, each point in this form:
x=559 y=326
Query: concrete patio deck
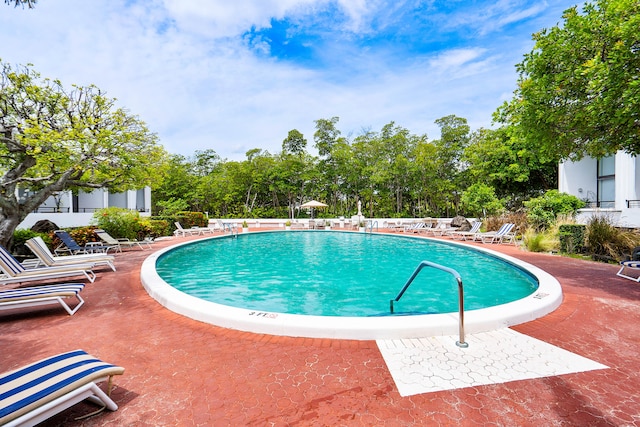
x=180 y=372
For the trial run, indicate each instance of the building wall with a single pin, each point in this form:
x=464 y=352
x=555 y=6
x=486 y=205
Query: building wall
x=581 y=180
x=64 y=216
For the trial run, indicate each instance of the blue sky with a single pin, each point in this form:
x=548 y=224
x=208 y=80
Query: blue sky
x=236 y=75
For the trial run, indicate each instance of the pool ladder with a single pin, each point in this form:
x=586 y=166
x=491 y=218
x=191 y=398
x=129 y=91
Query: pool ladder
x=233 y=230
x=454 y=273
x=369 y=226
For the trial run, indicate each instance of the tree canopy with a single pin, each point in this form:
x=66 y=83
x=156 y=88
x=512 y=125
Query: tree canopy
x=579 y=88
x=54 y=139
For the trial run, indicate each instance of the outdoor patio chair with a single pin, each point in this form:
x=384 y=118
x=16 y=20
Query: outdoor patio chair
x=42 y=295
x=46 y=258
x=121 y=243
x=194 y=231
x=626 y=267
x=69 y=245
x=14 y=272
x=500 y=236
x=463 y=235
x=36 y=392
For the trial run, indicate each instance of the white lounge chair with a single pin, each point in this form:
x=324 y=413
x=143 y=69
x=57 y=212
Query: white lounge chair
x=42 y=295
x=626 y=267
x=500 y=236
x=463 y=235
x=14 y=272
x=46 y=258
x=38 y=391
x=120 y=243
x=193 y=231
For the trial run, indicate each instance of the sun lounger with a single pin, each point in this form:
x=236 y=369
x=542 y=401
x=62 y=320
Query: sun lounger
x=38 y=391
x=464 y=235
x=626 y=267
x=504 y=234
x=71 y=246
x=120 y=243
x=42 y=295
x=193 y=231
x=45 y=257
x=14 y=272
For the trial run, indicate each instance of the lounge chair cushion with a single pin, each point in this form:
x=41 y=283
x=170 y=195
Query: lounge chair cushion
x=28 y=389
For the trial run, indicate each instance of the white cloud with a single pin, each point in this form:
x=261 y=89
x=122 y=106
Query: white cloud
x=183 y=67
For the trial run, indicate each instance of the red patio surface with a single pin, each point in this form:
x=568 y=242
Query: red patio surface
x=180 y=372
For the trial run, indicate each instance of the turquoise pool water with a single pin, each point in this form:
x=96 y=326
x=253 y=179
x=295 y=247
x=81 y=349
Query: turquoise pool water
x=339 y=274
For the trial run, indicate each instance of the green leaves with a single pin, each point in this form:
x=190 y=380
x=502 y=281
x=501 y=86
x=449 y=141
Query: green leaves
x=56 y=139
x=578 y=88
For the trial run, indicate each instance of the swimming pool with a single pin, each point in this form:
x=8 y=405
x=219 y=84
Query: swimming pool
x=339 y=274
x=525 y=304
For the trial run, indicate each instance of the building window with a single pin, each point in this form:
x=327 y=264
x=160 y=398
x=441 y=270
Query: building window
x=607 y=182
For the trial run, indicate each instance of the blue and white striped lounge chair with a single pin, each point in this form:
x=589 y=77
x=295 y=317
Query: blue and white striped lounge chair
x=14 y=272
x=42 y=295
x=46 y=258
x=36 y=392
x=626 y=267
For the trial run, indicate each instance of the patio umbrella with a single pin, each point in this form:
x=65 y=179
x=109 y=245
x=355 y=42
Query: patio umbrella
x=313 y=204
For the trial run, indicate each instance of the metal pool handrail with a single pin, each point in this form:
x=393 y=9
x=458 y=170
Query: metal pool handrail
x=423 y=264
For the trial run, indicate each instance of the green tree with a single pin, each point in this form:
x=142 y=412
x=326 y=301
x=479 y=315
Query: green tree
x=53 y=140
x=502 y=160
x=579 y=89
x=294 y=143
x=480 y=200
x=454 y=138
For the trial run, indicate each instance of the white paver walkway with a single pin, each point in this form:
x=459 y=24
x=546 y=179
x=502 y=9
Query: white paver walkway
x=423 y=365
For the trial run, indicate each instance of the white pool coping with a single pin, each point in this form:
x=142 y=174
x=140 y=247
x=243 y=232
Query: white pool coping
x=546 y=299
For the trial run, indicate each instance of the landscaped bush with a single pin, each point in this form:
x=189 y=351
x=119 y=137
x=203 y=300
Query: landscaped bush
x=542 y=211
x=21 y=235
x=118 y=222
x=191 y=219
x=604 y=241
x=545 y=241
x=572 y=238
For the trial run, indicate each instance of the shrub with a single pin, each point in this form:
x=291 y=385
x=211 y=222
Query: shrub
x=605 y=241
x=543 y=211
x=572 y=238
x=480 y=200
x=21 y=235
x=540 y=242
x=191 y=219
x=118 y=222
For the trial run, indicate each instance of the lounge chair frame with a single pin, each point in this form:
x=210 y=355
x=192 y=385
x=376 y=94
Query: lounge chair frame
x=46 y=258
x=14 y=272
x=629 y=265
x=38 y=391
x=71 y=246
x=120 y=243
x=42 y=295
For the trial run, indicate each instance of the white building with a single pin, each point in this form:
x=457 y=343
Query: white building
x=76 y=210
x=610 y=186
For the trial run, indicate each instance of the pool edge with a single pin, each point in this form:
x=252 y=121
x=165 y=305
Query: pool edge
x=545 y=300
